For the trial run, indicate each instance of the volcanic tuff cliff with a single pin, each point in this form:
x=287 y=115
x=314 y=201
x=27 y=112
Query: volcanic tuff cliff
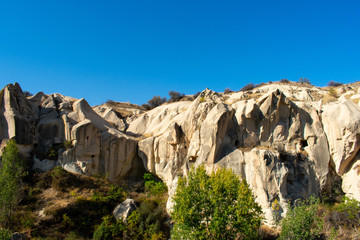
x=288 y=140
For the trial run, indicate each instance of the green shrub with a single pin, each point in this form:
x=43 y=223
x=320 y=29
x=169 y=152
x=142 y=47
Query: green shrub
x=334 y=84
x=154 y=186
x=109 y=229
x=219 y=206
x=5 y=234
x=156 y=101
x=284 y=80
x=351 y=208
x=228 y=90
x=148 y=221
x=301 y=221
x=67 y=222
x=175 y=96
x=60 y=178
x=304 y=81
x=248 y=87
x=113 y=194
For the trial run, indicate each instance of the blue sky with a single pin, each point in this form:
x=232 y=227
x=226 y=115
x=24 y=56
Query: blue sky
x=132 y=50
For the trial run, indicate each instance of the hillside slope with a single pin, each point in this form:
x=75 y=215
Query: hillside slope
x=288 y=141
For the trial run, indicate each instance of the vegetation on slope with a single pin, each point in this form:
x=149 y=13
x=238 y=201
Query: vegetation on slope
x=216 y=206
x=61 y=205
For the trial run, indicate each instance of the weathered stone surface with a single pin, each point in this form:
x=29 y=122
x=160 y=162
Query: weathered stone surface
x=288 y=141
x=124 y=209
x=341 y=121
x=17 y=116
x=278 y=146
x=44 y=165
x=99 y=148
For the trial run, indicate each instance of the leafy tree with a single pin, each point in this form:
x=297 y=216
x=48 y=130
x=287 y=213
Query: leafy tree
x=334 y=84
x=301 y=221
x=11 y=172
x=248 y=87
x=154 y=186
x=146 y=106
x=175 y=96
x=156 y=101
x=216 y=206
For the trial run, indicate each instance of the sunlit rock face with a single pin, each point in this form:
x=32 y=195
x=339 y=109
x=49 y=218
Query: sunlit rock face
x=276 y=137
x=289 y=141
x=68 y=131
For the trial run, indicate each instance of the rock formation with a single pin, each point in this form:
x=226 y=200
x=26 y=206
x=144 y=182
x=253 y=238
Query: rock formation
x=288 y=141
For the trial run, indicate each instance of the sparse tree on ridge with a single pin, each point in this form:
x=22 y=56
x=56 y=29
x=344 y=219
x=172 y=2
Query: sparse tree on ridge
x=156 y=101
x=304 y=81
x=175 y=96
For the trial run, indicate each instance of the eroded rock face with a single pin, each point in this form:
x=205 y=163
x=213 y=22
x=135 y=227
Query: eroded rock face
x=341 y=122
x=288 y=141
x=44 y=124
x=18 y=117
x=98 y=147
x=279 y=146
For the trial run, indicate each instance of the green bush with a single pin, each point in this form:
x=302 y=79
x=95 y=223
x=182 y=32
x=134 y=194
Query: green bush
x=154 y=186
x=219 y=206
x=248 y=87
x=109 y=229
x=148 y=221
x=175 y=96
x=334 y=84
x=5 y=234
x=301 y=221
x=60 y=178
x=351 y=208
x=113 y=194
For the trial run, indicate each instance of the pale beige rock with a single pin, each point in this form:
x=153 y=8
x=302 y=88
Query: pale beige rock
x=111 y=116
x=281 y=138
x=124 y=209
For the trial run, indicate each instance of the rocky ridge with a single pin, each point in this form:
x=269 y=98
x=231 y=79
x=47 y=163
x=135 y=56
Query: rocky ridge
x=288 y=141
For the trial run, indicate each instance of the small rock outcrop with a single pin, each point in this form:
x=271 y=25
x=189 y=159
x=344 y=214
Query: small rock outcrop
x=124 y=209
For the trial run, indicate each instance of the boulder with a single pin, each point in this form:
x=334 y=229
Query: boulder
x=124 y=209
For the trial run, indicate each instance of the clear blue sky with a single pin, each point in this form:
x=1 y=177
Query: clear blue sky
x=135 y=49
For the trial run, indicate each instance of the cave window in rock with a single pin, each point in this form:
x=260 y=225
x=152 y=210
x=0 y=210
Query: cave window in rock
x=303 y=143
x=87 y=139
